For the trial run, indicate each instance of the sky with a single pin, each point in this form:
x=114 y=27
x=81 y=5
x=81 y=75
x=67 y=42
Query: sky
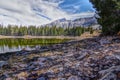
x=39 y=12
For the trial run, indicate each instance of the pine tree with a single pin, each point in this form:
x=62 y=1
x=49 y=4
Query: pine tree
x=109 y=12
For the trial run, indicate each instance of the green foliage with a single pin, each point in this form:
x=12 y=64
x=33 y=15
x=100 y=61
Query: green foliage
x=91 y=30
x=13 y=30
x=109 y=12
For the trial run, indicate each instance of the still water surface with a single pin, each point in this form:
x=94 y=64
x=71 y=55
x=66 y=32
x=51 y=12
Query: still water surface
x=11 y=45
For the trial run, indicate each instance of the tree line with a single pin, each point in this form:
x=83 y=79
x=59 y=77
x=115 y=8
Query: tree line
x=11 y=30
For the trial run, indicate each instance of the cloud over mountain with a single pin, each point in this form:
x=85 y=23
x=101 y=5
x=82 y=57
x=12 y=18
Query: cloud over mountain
x=37 y=12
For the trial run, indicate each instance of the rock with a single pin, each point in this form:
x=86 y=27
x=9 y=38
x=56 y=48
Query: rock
x=43 y=47
x=62 y=79
x=31 y=67
x=22 y=75
x=14 y=68
x=3 y=63
x=109 y=76
x=104 y=41
x=116 y=40
x=50 y=74
x=86 y=64
x=8 y=79
x=22 y=65
x=33 y=76
x=73 y=78
x=42 y=59
x=41 y=78
x=3 y=77
x=22 y=52
x=22 y=78
x=117 y=55
x=82 y=56
x=60 y=74
x=118 y=75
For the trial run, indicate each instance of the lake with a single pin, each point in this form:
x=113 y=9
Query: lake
x=11 y=45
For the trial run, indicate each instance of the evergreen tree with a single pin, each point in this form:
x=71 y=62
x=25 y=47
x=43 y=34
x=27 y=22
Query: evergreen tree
x=14 y=30
x=109 y=12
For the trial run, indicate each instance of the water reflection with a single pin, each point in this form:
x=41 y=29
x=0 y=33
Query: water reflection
x=10 y=45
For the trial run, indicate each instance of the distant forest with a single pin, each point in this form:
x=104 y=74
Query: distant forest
x=11 y=30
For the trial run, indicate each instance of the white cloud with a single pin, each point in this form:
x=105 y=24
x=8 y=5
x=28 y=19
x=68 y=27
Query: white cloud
x=81 y=15
x=33 y=12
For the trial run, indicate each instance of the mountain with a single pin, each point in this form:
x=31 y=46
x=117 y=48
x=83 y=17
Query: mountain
x=83 y=22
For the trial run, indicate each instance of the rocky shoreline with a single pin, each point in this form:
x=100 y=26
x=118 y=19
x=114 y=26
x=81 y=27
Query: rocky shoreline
x=88 y=59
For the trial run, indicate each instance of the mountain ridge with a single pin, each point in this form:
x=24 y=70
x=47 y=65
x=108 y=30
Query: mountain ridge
x=83 y=22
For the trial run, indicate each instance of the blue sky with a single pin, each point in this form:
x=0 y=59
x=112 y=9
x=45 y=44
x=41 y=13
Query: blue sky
x=38 y=12
x=76 y=6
